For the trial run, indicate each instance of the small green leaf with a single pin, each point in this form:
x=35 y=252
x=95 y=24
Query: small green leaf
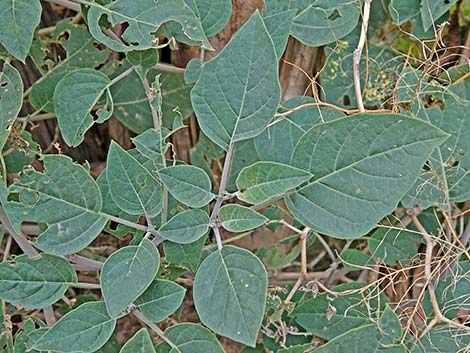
x=144 y=58
x=11 y=99
x=66 y=198
x=35 y=282
x=19 y=19
x=143 y=18
x=149 y=144
x=74 y=97
x=236 y=218
x=213 y=15
x=188 y=184
x=265 y=180
x=392 y=245
x=355 y=260
x=441 y=339
x=139 y=343
x=132 y=187
x=127 y=273
x=233 y=99
x=431 y=10
x=191 y=338
x=160 y=300
x=234 y=307
x=346 y=156
x=390 y=325
x=85 y=329
x=186 y=227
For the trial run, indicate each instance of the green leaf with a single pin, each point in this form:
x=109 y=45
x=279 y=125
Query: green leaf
x=82 y=52
x=265 y=180
x=139 y=343
x=186 y=227
x=441 y=339
x=392 y=245
x=213 y=15
x=346 y=157
x=279 y=26
x=328 y=318
x=390 y=326
x=35 y=282
x=143 y=18
x=355 y=340
x=127 y=273
x=277 y=142
x=131 y=102
x=132 y=187
x=324 y=21
x=233 y=99
x=74 y=97
x=23 y=151
x=19 y=19
x=191 y=338
x=146 y=59
x=237 y=218
x=160 y=300
x=151 y=146
x=448 y=177
x=404 y=10
x=11 y=99
x=66 y=198
x=230 y=291
x=85 y=329
x=185 y=254
x=188 y=184
x=355 y=260
x=432 y=10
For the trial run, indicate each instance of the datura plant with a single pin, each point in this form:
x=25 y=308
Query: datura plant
x=321 y=204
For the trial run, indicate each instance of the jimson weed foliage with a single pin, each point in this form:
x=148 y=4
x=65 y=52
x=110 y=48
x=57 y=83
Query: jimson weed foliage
x=322 y=212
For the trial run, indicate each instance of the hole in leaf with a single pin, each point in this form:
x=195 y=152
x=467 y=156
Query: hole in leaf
x=346 y=100
x=334 y=15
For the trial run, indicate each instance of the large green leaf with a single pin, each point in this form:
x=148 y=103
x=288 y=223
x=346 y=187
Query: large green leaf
x=237 y=218
x=81 y=53
x=238 y=91
x=191 y=338
x=188 y=184
x=11 y=100
x=265 y=180
x=19 y=19
x=66 y=198
x=143 y=18
x=321 y=22
x=84 y=329
x=74 y=97
x=328 y=318
x=160 y=300
x=127 y=273
x=35 y=282
x=431 y=10
x=139 y=343
x=364 y=339
x=186 y=227
x=132 y=187
x=230 y=293
x=151 y=146
x=361 y=169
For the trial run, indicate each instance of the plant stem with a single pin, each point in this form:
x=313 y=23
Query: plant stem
x=138 y=314
x=121 y=76
x=358 y=53
x=83 y=285
x=220 y=198
x=19 y=238
x=66 y=3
